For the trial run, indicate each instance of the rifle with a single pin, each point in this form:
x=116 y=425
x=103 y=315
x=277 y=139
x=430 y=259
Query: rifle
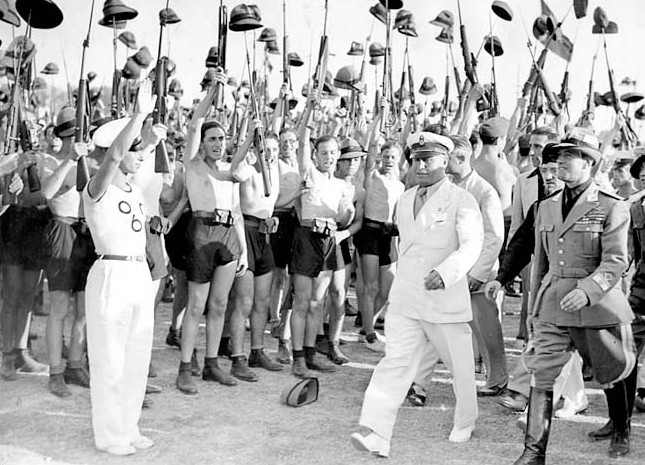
x=116 y=102
x=585 y=118
x=258 y=141
x=413 y=100
x=218 y=101
x=82 y=113
x=160 y=113
x=19 y=131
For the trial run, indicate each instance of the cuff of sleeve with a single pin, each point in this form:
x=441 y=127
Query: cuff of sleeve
x=593 y=289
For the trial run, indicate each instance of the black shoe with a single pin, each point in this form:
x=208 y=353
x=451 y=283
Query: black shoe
x=173 y=339
x=537 y=428
x=318 y=363
x=600 y=434
x=493 y=391
x=379 y=323
x=57 y=386
x=259 y=359
x=240 y=369
x=212 y=372
x=185 y=382
x=619 y=445
x=77 y=376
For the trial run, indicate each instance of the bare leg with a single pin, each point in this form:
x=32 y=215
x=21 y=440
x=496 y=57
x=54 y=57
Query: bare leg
x=218 y=295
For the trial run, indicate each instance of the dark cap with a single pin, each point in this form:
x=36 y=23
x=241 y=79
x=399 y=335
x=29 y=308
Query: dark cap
x=550 y=153
x=350 y=148
x=635 y=169
x=494 y=127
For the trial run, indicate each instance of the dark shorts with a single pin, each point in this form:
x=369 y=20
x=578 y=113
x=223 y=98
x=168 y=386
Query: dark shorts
x=258 y=251
x=209 y=245
x=313 y=253
x=175 y=242
x=154 y=254
x=70 y=254
x=282 y=240
x=374 y=241
x=22 y=237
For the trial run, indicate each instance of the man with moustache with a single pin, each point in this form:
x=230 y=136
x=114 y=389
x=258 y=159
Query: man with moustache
x=441 y=238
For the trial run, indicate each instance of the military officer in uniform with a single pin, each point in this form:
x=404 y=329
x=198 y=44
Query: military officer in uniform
x=580 y=255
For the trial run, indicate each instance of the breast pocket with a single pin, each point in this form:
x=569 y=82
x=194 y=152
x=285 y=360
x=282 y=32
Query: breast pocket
x=588 y=237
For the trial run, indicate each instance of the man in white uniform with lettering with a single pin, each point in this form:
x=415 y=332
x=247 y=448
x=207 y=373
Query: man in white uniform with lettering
x=118 y=295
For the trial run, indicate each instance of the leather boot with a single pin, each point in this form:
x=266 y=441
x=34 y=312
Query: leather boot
x=618 y=403
x=240 y=369
x=538 y=428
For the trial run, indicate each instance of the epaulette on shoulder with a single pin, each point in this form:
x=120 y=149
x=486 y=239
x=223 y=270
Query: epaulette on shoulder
x=610 y=194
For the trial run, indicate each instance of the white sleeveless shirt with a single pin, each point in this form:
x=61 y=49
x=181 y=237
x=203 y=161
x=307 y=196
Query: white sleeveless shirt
x=116 y=221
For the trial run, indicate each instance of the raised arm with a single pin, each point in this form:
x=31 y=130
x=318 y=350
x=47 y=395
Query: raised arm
x=195 y=124
x=53 y=183
x=121 y=145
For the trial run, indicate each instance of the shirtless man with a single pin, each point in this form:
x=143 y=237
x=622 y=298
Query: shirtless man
x=216 y=248
x=325 y=204
x=282 y=240
x=252 y=290
x=69 y=253
x=375 y=242
x=349 y=163
x=493 y=167
x=22 y=229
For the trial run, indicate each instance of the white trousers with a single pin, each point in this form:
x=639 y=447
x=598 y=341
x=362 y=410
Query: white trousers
x=406 y=342
x=120 y=318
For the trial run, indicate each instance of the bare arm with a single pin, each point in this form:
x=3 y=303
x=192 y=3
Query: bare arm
x=115 y=154
x=196 y=122
x=52 y=184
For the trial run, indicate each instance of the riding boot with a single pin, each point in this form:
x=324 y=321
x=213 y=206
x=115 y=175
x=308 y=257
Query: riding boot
x=537 y=428
x=619 y=404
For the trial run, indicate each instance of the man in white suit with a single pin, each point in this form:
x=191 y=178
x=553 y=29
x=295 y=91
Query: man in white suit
x=441 y=238
x=485 y=324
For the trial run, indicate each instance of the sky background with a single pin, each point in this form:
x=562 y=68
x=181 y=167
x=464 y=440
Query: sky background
x=350 y=20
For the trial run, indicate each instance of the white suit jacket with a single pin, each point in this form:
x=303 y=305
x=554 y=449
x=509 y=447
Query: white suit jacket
x=490 y=207
x=447 y=237
x=525 y=194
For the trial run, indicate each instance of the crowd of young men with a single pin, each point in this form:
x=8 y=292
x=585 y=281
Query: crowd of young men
x=267 y=231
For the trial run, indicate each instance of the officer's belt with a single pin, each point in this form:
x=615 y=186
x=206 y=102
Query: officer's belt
x=569 y=272
x=265 y=226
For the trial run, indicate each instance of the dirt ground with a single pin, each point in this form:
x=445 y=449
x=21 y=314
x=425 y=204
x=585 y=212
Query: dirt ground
x=247 y=424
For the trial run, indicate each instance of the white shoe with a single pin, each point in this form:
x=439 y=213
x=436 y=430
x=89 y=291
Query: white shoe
x=142 y=443
x=461 y=434
x=372 y=443
x=570 y=409
x=119 y=450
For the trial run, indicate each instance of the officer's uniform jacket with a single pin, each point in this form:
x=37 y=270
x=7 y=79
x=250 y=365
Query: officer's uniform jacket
x=446 y=236
x=588 y=251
